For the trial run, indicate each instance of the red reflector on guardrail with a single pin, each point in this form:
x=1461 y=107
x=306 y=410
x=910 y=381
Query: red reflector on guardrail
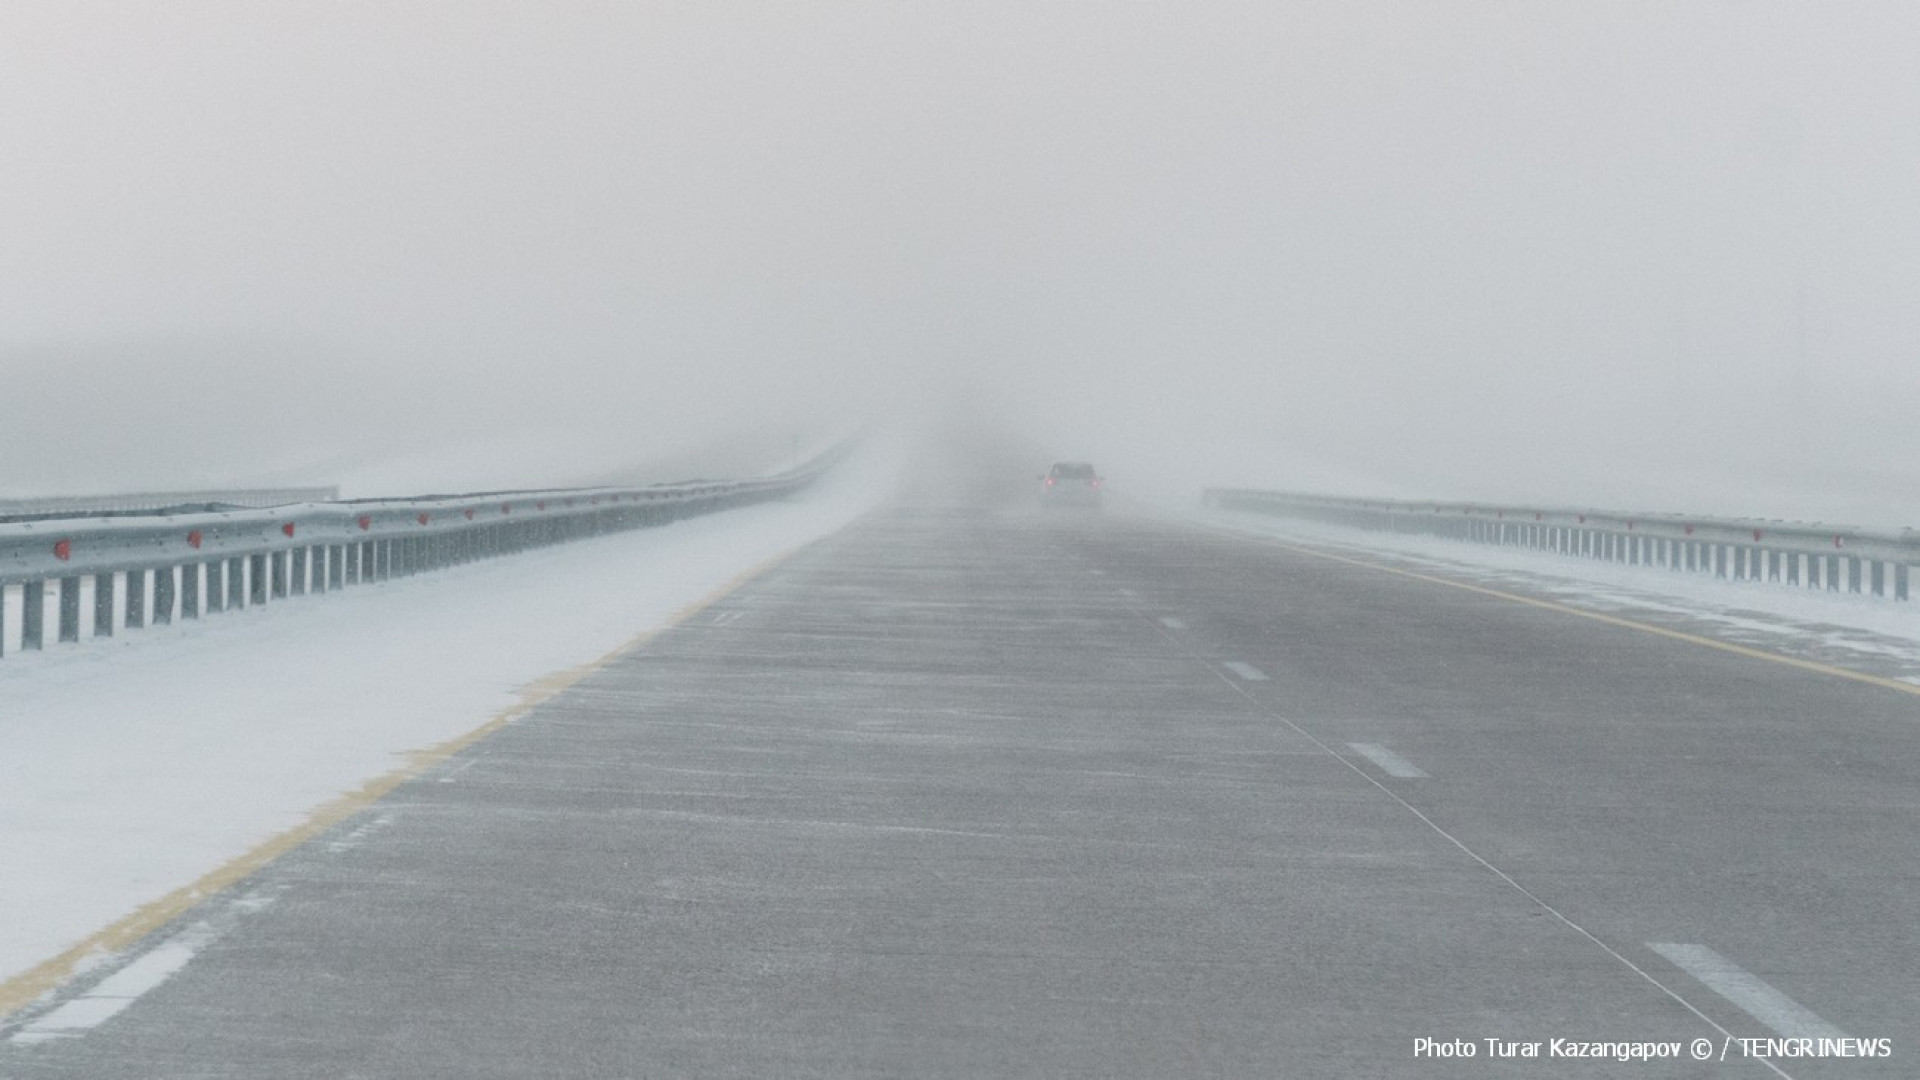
x=1758 y=533
x=287 y=528
x=424 y=518
x=469 y=513
x=193 y=539
x=506 y=508
x=63 y=550
x=366 y=522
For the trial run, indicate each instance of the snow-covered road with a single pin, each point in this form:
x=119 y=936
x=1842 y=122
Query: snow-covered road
x=133 y=767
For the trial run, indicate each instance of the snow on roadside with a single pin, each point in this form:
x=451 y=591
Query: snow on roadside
x=1879 y=635
x=130 y=768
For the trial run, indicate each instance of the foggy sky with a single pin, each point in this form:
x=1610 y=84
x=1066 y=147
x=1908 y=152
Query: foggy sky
x=1645 y=255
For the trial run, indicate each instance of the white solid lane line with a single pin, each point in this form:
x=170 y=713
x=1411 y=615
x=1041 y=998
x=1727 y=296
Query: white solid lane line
x=1173 y=624
x=1390 y=763
x=1762 y=1002
x=1245 y=671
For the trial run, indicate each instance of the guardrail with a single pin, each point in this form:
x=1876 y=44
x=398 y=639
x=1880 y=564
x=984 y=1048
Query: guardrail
x=150 y=501
x=96 y=575
x=1826 y=557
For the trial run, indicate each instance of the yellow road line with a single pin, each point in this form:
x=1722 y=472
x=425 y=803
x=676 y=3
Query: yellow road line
x=30 y=985
x=1611 y=620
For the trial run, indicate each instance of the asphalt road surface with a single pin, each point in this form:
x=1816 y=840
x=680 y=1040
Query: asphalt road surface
x=959 y=793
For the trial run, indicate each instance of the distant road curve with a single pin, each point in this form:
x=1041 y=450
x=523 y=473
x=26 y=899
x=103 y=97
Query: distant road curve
x=147 y=501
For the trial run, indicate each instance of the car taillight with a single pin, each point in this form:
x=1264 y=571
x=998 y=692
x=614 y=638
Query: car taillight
x=1049 y=481
x=1095 y=481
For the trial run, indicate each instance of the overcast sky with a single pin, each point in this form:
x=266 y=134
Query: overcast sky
x=1665 y=252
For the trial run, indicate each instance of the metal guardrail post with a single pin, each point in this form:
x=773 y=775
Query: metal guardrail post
x=103 y=604
x=70 y=609
x=33 y=615
x=163 y=595
x=190 y=591
x=136 y=599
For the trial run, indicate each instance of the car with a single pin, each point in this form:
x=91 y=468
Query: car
x=1070 y=483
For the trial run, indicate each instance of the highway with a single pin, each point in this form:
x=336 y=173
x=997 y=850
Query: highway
x=967 y=791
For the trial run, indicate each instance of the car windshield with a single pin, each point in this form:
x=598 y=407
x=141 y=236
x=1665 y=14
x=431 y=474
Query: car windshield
x=533 y=539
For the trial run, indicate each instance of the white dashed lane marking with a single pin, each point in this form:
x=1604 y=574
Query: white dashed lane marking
x=1245 y=671
x=119 y=990
x=1390 y=763
x=1173 y=624
x=1762 y=1002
